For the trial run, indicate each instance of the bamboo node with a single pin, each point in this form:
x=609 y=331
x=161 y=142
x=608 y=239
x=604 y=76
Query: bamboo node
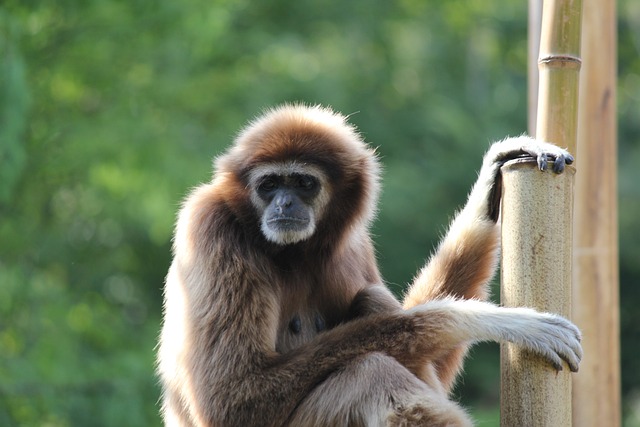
x=560 y=61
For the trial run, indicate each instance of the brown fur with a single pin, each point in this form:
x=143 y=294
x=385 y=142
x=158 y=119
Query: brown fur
x=228 y=356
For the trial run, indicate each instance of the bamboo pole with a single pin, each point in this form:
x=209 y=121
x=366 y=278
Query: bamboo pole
x=595 y=291
x=533 y=46
x=536 y=271
x=595 y=305
x=559 y=71
x=537 y=227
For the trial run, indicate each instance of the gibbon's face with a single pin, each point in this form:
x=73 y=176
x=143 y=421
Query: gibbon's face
x=290 y=199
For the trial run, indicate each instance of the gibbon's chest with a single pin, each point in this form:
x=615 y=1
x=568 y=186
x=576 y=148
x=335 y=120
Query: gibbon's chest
x=299 y=327
x=314 y=297
x=306 y=310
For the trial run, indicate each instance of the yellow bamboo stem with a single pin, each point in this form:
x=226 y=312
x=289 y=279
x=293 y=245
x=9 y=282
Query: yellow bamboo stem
x=595 y=291
x=537 y=227
x=536 y=267
x=533 y=40
x=559 y=70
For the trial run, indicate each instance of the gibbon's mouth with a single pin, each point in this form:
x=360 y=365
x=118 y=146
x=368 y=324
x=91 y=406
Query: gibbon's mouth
x=287 y=221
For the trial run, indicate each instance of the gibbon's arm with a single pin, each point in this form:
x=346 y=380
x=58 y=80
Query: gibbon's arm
x=466 y=258
x=373 y=299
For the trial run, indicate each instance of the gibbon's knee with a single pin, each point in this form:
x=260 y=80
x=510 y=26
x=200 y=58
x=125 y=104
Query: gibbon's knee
x=376 y=390
x=362 y=393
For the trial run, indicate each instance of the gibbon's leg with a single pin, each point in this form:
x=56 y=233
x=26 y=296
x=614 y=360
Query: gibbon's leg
x=466 y=258
x=376 y=390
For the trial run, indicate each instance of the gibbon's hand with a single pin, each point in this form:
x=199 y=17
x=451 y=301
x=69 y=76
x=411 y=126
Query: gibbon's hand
x=526 y=147
x=555 y=338
x=484 y=200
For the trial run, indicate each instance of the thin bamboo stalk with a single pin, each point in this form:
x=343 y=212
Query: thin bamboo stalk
x=533 y=42
x=596 y=282
x=537 y=227
x=559 y=65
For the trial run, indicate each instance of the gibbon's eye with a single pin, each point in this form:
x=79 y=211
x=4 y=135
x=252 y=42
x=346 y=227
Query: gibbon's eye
x=268 y=184
x=306 y=182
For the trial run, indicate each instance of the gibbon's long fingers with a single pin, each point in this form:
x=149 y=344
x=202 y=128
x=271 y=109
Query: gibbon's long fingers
x=556 y=339
x=525 y=146
x=549 y=335
x=559 y=161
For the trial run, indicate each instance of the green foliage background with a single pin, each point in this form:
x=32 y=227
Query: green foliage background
x=111 y=110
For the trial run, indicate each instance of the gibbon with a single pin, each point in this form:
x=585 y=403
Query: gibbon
x=275 y=313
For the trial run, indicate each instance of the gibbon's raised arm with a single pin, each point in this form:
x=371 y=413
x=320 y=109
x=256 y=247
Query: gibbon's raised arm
x=466 y=259
x=274 y=308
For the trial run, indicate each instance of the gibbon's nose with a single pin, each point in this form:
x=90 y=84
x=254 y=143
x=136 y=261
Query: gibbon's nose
x=283 y=201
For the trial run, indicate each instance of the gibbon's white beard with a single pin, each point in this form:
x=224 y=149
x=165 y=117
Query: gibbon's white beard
x=285 y=232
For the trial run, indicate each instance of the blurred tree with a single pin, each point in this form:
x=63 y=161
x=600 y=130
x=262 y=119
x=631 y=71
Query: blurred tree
x=111 y=110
